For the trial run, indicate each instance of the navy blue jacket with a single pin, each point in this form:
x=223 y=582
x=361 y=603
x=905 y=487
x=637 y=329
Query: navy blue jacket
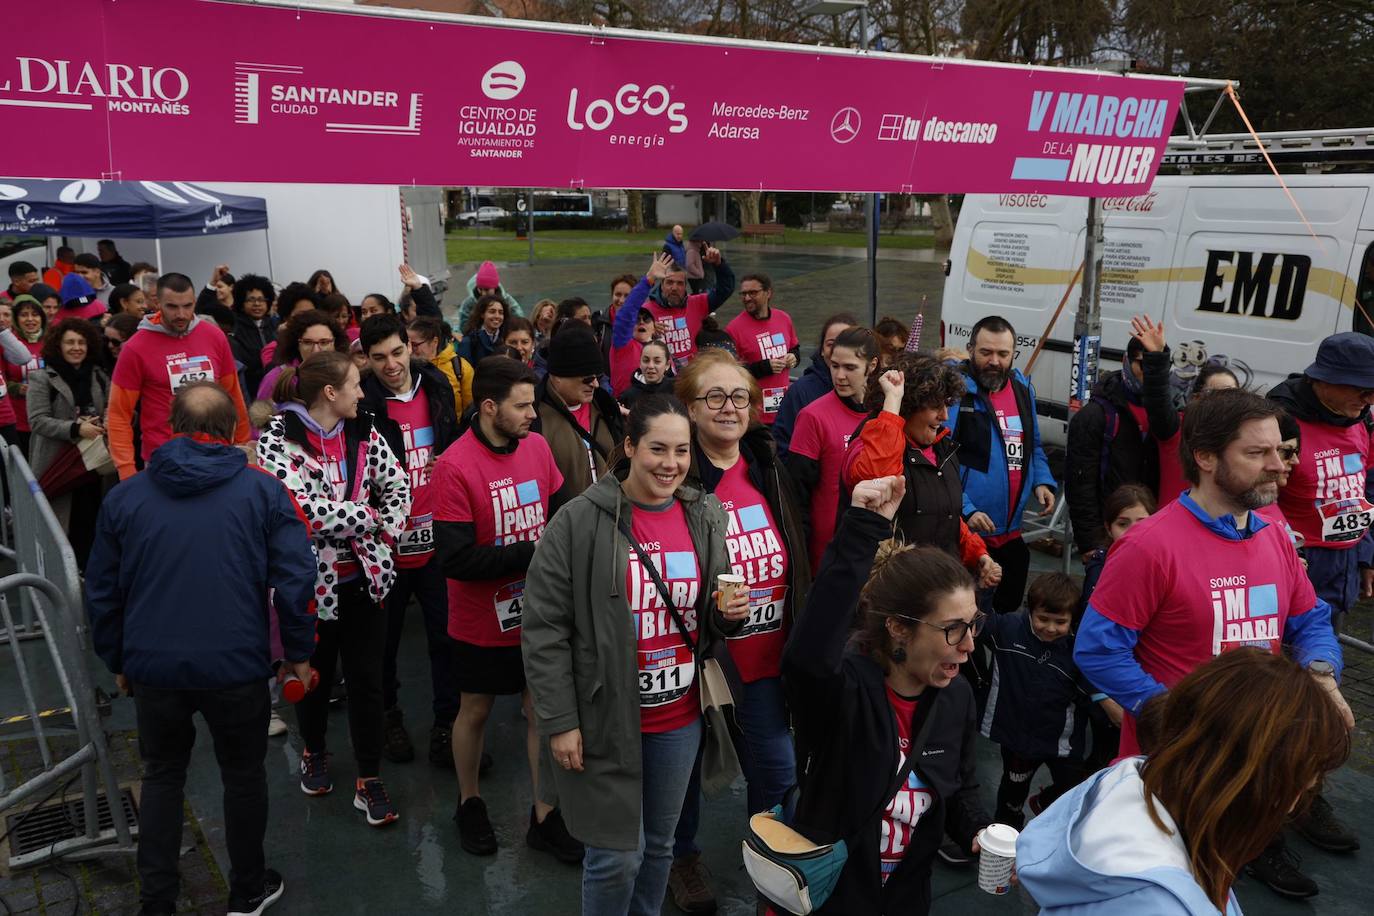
x=184 y=555
x=814 y=384
x=1034 y=701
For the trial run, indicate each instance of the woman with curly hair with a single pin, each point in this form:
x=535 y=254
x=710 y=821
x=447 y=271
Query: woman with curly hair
x=66 y=404
x=905 y=434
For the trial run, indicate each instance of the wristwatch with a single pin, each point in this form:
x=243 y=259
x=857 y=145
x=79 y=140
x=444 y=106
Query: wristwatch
x=1321 y=669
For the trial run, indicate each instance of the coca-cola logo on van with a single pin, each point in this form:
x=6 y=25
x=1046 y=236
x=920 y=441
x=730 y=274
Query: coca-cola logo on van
x=1141 y=203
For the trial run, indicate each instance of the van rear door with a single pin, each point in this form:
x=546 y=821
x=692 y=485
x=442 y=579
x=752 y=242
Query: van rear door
x=1251 y=283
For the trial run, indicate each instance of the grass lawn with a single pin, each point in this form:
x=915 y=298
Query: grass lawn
x=559 y=244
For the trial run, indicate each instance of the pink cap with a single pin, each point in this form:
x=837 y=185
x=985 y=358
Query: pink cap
x=487 y=276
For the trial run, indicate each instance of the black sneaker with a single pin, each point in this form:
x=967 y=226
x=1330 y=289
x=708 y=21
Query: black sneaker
x=338 y=693
x=369 y=797
x=552 y=836
x=396 y=745
x=474 y=827
x=1278 y=868
x=441 y=747
x=272 y=887
x=1320 y=826
x=954 y=854
x=315 y=778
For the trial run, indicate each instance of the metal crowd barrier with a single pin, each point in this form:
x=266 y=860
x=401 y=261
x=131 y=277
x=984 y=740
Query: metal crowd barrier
x=89 y=763
x=40 y=547
x=100 y=818
x=1056 y=527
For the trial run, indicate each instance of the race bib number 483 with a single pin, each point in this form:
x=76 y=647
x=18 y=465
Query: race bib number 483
x=1345 y=519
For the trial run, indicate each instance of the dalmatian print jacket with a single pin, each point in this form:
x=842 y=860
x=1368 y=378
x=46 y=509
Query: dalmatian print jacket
x=368 y=522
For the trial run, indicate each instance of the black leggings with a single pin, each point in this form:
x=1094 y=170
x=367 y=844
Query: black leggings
x=358 y=634
x=1017 y=773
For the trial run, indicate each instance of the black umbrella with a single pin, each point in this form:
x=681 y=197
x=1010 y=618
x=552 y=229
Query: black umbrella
x=714 y=232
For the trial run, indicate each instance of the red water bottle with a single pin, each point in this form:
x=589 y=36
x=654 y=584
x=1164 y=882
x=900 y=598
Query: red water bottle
x=293 y=689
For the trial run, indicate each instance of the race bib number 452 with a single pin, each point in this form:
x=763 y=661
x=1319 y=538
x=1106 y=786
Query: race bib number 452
x=188 y=369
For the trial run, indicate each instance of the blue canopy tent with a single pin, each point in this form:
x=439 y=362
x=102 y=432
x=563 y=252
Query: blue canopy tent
x=125 y=209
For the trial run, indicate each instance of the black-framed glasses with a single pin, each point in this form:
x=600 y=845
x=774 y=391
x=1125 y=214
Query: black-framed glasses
x=715 y=399
x=751 y=293
x=955 y=632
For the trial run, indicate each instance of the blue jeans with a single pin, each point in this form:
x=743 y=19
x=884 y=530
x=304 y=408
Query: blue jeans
x=616 y=882
x=767 y=756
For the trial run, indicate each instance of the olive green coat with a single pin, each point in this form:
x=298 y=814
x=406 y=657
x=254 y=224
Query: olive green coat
x=580 y=649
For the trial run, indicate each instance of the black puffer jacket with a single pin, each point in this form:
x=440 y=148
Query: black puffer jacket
x=436 y=390
x=1106 y=449
x=847 y=740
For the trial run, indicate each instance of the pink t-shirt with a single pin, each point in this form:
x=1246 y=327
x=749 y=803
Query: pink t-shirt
x=416 y=544
x=1274 y=515
x=1013 y=442
x=331 y=452
x=90 y=311
x=757 y=340
x=624 y=362
x=155 y=364
x=913 y=798
x=680 y=326
x=1324 y=500
x=822 y=434
x=667 y=672
x=15 y=373
x=1192 y=594
x=1171 y=479
x=505 y=497
x=583 y=415
x=758 y=553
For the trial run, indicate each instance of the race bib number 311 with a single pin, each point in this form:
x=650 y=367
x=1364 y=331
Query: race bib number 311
x=664 y=674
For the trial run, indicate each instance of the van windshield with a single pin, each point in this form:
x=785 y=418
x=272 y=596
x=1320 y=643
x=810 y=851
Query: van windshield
x=1364 y=295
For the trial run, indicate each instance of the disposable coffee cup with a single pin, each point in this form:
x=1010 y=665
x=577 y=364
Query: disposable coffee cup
x=998 y=855
x=728 y=584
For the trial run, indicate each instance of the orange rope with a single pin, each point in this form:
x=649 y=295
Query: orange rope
x=1231 y=91
x=1040 y=344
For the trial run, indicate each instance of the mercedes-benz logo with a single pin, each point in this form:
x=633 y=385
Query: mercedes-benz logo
x=845 y=125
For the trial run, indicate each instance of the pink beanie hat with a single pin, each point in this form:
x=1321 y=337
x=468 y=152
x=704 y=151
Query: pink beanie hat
x=487 y=276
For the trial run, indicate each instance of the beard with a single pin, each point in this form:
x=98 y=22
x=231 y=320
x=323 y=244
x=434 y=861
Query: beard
x=511 y=429
x=1250 y=494
x=993 y=379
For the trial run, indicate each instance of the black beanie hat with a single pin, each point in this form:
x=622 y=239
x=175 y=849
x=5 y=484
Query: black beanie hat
x=574 y=353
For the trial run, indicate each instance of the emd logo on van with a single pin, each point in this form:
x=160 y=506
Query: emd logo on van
x=1265 y=284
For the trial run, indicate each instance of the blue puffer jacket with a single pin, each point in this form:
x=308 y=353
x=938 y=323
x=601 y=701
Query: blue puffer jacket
x=184 y=556
x=983 y=453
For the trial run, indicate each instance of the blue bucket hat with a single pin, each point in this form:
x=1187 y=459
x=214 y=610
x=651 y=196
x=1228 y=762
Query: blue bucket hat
x=1344 y=359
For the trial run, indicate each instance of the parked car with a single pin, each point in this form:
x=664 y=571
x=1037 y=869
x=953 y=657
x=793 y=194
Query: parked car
x=482 y=215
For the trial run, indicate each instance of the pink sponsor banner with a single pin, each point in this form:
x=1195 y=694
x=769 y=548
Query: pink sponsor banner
x=214 y=90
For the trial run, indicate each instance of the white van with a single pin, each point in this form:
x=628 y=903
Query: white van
x=1223 y=260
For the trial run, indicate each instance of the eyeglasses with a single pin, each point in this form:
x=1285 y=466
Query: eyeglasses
x=1288 y=452
x=751 y=293
x=316 y=344
x=590 y=380
x=259 y=298
x=716 y=398
x=955 y=632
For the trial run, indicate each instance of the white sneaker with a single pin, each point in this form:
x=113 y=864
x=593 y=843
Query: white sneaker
x=276 y=725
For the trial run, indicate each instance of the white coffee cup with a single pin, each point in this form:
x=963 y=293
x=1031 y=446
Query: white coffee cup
x=728 y=584
x=998 y=855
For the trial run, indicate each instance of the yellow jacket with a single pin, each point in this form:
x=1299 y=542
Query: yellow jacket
x=451 y=364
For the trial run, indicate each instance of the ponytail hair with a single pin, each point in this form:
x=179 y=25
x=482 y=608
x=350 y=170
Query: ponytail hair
x=305 y=383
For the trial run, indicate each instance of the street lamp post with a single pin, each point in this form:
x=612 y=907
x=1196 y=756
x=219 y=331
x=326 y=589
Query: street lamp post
x=838 y=8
